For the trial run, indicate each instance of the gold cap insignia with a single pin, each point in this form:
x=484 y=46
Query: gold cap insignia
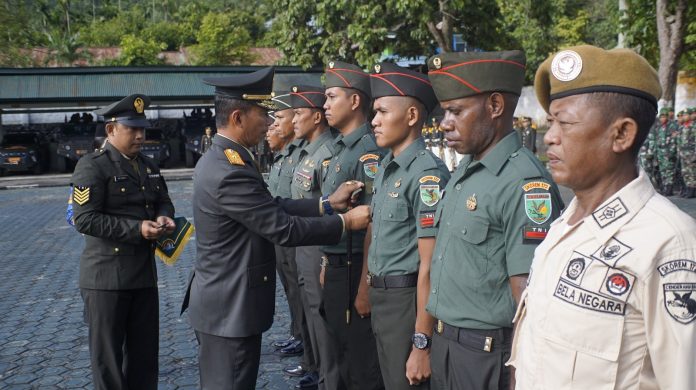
x=139 y=105
x=378 y=68
x=437 y=62
x=233 y=157
x=331 y=65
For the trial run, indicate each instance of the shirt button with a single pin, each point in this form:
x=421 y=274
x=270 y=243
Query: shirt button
x=448 y=223
x=434 y=291
x=142 y=188
x=116 y=250
x=333 y=181
x=374 y=236
x=123 y=189
x=458 y=187
x=147 y=206
x=464 y=231
x=390 y=215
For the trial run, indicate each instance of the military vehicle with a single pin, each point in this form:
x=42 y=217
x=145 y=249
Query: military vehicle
x=75 y=139
x=156 y=146
x=192 y=130
x=23 y=151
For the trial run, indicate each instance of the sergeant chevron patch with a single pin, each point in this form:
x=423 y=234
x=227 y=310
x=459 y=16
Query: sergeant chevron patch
x=81 y=195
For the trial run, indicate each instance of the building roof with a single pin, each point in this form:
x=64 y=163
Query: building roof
x=94 y=86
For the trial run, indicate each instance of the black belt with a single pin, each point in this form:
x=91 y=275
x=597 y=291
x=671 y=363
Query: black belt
x=340 y=260
x=392 y=281
x=484 y=340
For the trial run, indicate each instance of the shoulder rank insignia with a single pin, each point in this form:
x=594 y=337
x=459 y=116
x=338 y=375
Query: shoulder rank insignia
x=81 y=195
x=233 y=157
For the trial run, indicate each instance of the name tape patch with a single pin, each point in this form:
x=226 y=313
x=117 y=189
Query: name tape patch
x=676 y=265
x=580 y=297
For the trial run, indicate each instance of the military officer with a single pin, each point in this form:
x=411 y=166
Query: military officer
x=206 y=139
x=279 y=181
x=688 y=152
x=345 y=300
x=495 y=211
x=528 y=134
x=121 y=205
x=231 y=292
x=309 y=124
x=401 y=237
x=609 y=302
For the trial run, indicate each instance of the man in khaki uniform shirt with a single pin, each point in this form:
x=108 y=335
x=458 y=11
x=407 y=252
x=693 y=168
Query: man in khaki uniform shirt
x=609 y=301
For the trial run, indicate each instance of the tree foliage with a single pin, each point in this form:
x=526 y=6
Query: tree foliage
x=221 y=41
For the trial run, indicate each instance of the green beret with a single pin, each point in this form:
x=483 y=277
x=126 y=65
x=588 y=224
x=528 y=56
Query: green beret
x=664 y=111
x=587 y=69
x=345 y=75
x=305 y=96
x=462 y=74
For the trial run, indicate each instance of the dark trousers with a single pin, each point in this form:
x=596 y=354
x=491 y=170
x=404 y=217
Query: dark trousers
x=393 y=322
x=123 y=337
x=228 y=363
x=357 y=350
x=320 y=341
x=287 y=272
x=463 y=364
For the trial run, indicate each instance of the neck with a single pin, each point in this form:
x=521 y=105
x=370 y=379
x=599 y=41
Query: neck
x=356 y=121
x=230 y=134
x=316 y=133
x=499 y=135
x=588 y=199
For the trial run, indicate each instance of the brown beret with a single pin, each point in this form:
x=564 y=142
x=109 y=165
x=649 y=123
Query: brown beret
x=345 y=75
x=305 y=96
x=462 y=74
x=587 y=69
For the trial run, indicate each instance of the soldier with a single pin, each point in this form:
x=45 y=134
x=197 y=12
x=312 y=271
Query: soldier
x=310 y=124
x=608 y=305
x=232 y=288
x=666 y=151
x=647 y=158
x=345 y=301
x=279 y=182
x=402 y=236
x=121 y=205
x=688 y=153
x=528 y=135
x=496 y=209
x=206 y=139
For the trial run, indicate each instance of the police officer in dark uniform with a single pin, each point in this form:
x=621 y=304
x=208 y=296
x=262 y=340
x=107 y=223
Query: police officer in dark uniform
x=121 y=206
x=231 y=293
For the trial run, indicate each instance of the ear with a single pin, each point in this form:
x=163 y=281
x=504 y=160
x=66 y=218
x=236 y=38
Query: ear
x=495 y=105
x=317 y=116
x=354 y=102
x=624 y=132
x=412 y=115
x=110 y=128
x=235 y=118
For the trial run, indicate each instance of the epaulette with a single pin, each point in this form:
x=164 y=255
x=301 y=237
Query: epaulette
x=98 y=153
x=368 y=143
x=426 y=160
x=526 y=164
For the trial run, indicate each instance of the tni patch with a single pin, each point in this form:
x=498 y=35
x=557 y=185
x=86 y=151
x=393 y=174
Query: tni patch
x=533 y=234
x=427 y=219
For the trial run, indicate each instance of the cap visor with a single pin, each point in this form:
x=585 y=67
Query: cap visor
x=135 y=122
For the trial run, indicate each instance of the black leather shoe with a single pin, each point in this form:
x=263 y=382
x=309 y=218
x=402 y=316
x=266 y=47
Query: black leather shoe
x=309 y=381
x=280 y=344
x=295 y=370
x=294 y=349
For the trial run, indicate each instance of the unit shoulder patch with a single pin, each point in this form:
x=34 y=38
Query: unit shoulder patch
x=370 y=168
x=369 y=156
x=233 y=157
x=538 y=207
x=536 y=184
x=676 y=265
x=81 y=195
x=430 y=194
x=678 y=301
x=429 y=178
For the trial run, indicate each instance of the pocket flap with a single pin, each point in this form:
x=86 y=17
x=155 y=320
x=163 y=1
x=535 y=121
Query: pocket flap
x=473 y=231
x=397 y=213
x=261 y=274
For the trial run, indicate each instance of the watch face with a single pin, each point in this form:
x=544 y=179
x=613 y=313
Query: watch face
x=420 y=341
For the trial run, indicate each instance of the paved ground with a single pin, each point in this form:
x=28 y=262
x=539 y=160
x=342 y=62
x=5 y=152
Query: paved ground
x=42 y=337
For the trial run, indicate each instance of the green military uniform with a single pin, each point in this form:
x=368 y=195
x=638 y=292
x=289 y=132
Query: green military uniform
x=113 y=194
x=666 y=151
x=306 y=183
x=687 y=154
x=647 y=155
x=279 y=183
x=493 y=214
x=356 y=157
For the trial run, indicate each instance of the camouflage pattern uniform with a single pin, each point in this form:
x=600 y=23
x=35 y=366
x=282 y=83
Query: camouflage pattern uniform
x=647 y=155
x=687 y=154
x=667 y=154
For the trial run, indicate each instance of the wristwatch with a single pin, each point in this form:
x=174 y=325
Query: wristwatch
x=421 y=340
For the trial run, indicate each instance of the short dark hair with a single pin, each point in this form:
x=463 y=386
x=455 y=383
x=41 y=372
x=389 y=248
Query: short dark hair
x=618 y=105
x=225 y=106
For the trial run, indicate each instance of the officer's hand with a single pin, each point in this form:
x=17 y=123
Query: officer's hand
x=357 y=218
x=150 y=230
x=418 y=366
x=341 y=198
x=362 y=303
x=168 y=223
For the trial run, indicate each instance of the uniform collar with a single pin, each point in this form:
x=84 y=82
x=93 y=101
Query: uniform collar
x=407 y=155
x=316 y=144
x=617 y=210
x=116 y=155
x=352 y=138
x=496 y=158
x=228 y=143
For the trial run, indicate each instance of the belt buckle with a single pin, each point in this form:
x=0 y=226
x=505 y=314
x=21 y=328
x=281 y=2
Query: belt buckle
x=369 y=279
x=440 y=327
x=488 y=345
